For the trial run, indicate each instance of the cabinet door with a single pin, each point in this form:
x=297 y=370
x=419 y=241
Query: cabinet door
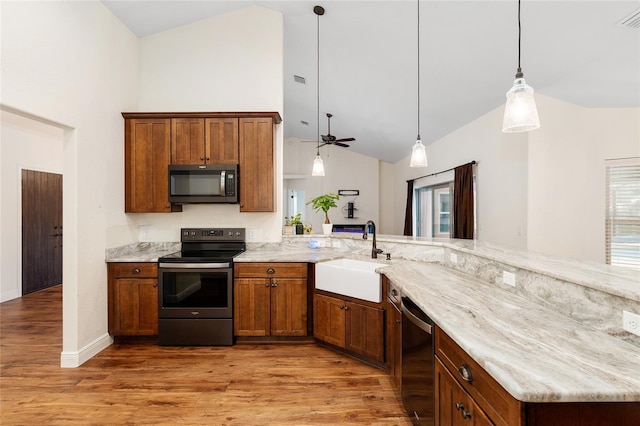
x=329 y=320
x=136 y=307
x=251 y=307
x=256 y=165
x=147 y=157
x=394 y=343
x=365 y=330
x=453 y=405
x=221 y=140
x=288 y=307
x=187 y=141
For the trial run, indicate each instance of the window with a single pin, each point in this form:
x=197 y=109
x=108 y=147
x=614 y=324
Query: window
x=623 y=212
x=433 y=211
x=441 y=212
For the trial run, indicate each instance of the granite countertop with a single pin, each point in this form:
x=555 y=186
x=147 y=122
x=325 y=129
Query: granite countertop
x=535 y=353
x=141 y=252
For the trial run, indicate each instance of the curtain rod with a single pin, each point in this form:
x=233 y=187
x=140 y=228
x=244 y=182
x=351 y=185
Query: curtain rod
x=439 y=173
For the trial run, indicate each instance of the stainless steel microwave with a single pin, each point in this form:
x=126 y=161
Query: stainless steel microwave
x=205 y=183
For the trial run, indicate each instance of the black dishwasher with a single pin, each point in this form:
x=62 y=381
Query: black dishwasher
x=418 y=360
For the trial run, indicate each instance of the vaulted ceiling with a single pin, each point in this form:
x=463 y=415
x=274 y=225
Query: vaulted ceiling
x=576 y=51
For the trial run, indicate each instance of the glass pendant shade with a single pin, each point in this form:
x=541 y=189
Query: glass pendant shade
x=418 y=155
x=318 y=167
x=520 y=112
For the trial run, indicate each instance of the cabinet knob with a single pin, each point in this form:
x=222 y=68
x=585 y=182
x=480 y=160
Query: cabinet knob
x=135 y=270
x=271 y=271
x=202 y=158
x=466 y=414
x=465 y=373
x=459 y=406
x=398 y=321
x=274 y=282
x=155 y=285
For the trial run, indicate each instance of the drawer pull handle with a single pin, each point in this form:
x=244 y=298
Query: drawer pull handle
x=465 y=373
x=459 y=406
x=136 y=270
x=271 y=271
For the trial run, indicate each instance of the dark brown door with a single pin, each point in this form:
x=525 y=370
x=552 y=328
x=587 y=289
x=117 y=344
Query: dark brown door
x=41 y=230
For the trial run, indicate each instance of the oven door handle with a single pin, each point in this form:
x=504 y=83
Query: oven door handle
x=194 y=265
x=424 y=326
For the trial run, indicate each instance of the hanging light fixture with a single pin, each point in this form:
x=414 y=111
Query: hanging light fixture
x=318 y=165
x=520 y=112
x=418 y=153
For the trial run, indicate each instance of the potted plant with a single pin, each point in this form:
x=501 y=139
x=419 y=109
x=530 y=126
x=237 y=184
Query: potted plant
x=296 y=222
x=288 y=227
x=325 y=202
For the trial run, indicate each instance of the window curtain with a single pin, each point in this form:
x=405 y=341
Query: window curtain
x=408 y=215
x=463 y=220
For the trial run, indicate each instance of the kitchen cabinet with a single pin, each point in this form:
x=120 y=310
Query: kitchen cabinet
x=270 y=299
x=204 y=140
x=394 y=333
x=357 y=327
x=256 y=164
x=133 y=299
x=147 y=157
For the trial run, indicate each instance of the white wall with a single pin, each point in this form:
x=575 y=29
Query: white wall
x=24 y=144
x=566 y=185
x=75 y=64
x=344 y=169
x=544 y=190
x=501 y=177
x=231 y=62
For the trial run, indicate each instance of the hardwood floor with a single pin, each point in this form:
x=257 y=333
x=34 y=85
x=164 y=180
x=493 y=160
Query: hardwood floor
x=276 y=384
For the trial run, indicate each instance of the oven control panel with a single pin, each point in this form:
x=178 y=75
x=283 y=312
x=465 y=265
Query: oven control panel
x=212 y=234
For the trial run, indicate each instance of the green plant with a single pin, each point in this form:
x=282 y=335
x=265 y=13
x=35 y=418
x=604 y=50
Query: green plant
x=293 y=220
x=324 y=202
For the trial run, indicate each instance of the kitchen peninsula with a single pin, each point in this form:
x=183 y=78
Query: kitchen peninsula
x=554 y=337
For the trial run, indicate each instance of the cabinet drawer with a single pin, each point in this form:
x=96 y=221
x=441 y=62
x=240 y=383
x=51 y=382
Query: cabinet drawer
x=500 y=406
x=134 y=270
x=270 y=270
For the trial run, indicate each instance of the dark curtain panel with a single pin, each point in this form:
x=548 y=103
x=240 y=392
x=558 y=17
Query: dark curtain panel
x=463 y=202
x=408 y=215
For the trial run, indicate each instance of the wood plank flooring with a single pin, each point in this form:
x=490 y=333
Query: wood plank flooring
x=275 y=384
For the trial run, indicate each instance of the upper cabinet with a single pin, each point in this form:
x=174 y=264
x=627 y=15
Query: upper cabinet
x=204 y=141
x=153 y=140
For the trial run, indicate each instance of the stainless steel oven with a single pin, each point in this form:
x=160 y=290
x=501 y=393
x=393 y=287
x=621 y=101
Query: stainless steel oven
x=195 y=288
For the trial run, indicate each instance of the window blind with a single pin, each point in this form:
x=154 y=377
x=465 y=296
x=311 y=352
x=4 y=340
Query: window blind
x=623 y=212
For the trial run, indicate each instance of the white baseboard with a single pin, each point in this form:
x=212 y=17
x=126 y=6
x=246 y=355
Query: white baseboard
x=10 y=295
x=75 y=359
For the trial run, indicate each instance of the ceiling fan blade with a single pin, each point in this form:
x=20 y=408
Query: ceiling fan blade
x=311 y=141
x=344 y=145
x=345 y=140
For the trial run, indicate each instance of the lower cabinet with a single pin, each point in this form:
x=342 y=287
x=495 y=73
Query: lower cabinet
x=133 y=299
x=270 y=299
x=394 y=334
x=356 y=327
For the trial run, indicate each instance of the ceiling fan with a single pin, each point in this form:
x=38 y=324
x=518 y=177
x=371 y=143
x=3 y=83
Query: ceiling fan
x=330 y=139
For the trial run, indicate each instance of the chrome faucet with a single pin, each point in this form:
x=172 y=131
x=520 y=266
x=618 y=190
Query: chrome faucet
x=374 y=250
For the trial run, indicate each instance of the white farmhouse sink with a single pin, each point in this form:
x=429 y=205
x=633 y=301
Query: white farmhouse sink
x=354 y=278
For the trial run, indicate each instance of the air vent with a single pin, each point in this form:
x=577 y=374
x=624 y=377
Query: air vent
x=306 y=123
x=299 y=79
x=632 y=20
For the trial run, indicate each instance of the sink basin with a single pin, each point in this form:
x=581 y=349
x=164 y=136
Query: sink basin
x=349 y=277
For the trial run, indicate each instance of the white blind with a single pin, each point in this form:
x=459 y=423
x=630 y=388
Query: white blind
x=623 y=212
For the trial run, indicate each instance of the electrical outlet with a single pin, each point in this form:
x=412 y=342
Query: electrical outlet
x=509 y=278
x=144 y=232
x=252 y=234
x=631 y=322
x=453 y=258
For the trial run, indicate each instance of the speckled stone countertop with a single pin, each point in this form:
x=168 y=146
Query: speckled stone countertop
x=535 y=353
x=141 y=252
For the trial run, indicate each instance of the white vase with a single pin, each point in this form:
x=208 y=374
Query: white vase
x=326 y=228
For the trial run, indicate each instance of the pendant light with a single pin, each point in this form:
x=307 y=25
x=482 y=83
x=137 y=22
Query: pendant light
x=318 y=165
x=418 y=153
x=520 y=112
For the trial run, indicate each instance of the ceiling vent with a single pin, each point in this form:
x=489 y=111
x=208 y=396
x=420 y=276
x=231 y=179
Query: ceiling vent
x=632 y=20
x=299 y=79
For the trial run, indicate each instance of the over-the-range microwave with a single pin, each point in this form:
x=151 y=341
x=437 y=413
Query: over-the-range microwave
x=205 y=183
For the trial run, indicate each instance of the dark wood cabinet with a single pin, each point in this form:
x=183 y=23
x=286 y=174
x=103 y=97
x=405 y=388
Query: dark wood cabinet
x=394 y=334
x=204 y=140
x=356 y=327
x=270 y=299
x=147 y=157
x=256 y=164
x=133 y=299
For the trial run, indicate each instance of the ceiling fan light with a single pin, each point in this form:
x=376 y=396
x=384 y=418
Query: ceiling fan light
x=318 y=167
x=418 y=155
x=520 y=112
